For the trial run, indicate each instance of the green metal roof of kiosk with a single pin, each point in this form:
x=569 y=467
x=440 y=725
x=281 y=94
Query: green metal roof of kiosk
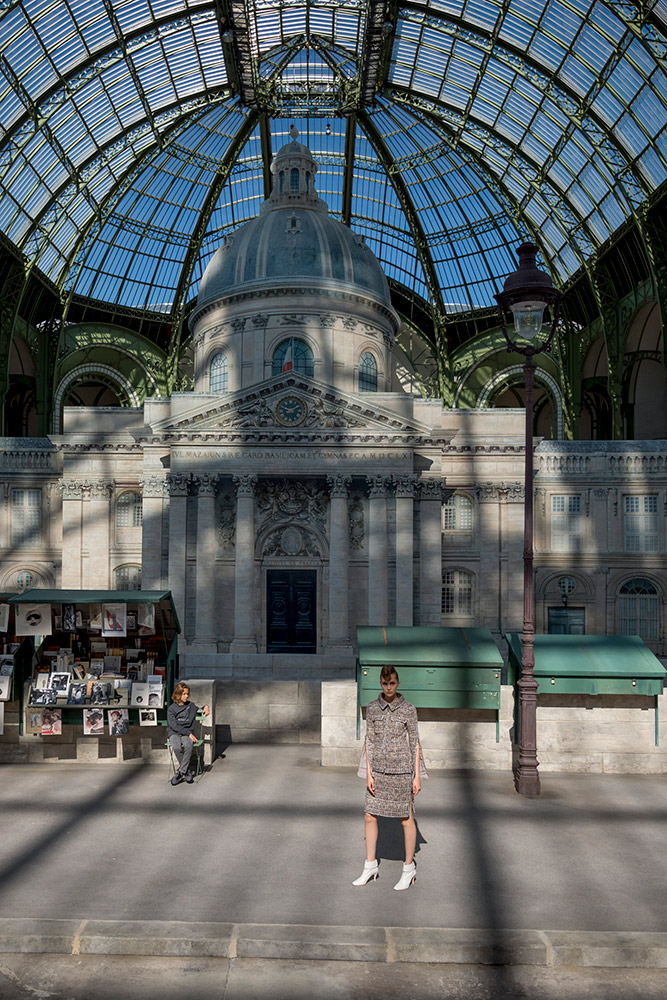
x=589 y=655
x=402 y=645
x=36 y=596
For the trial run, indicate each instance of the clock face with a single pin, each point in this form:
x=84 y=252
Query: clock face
x=290 y=411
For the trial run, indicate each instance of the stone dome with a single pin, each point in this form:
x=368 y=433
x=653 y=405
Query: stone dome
x=293 y=241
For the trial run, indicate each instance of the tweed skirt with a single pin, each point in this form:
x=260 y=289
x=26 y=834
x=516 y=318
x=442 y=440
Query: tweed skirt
x=393 y=795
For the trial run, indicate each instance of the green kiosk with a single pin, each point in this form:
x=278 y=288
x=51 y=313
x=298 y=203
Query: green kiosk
x=591 y=664
x=454 y=668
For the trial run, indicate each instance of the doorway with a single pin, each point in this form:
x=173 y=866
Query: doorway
x=567 y=621
x=291 y=606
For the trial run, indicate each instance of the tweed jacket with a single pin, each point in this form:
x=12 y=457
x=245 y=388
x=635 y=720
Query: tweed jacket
x=392 y=737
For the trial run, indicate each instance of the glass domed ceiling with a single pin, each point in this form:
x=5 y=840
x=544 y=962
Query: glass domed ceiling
x=135 y=135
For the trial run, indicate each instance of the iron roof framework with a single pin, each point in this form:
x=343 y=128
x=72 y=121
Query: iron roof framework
x=135 y=134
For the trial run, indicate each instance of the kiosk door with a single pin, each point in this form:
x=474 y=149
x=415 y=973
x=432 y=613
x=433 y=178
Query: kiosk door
x=290 y=602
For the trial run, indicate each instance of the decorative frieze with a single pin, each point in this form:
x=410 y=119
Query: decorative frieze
x=430 y=489
x=72 y=489
x=356 y=523
x=291 y=500
x=227 y=522
x=99 y=489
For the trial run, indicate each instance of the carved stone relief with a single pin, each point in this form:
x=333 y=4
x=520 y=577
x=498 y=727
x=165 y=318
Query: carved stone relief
x=227 y=522
x=288 y=500
x=356 y=522
x=291 y=541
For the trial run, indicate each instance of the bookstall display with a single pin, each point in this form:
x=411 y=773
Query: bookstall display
x=99 y=659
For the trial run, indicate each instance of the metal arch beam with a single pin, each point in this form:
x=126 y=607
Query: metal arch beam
x=236 y=47
x=348 y=169
x=567 y=100
x=88 y=168
x=570 y=220
x=654 y=39
x=418 y=235
x=109 y=55
x=267 y=155
x=376 y=48
x=203 y=219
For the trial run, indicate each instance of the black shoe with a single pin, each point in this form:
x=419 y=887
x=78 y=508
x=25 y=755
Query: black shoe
x=189 y=777
x=177 y=779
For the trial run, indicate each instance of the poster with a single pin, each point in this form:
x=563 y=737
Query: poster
x=95 y=623
x=69 y=617
x=52 y=722
x=5 y=688
x=148 y=717
x=33 y=619
x=113 y=619
x=118 y=721
x=146 y=619
x=93 y=722
x=4 y=617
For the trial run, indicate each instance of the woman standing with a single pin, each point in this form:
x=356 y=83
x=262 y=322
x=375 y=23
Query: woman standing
x=392 y=769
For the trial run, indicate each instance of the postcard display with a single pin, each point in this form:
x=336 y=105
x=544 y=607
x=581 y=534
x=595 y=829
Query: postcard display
x=101 y=667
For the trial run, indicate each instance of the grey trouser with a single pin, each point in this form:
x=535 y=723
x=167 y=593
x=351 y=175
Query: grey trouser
x=182 y=747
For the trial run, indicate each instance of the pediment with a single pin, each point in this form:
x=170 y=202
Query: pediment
x=286 y=403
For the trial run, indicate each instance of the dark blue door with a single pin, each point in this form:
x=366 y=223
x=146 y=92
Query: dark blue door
x=291 y=619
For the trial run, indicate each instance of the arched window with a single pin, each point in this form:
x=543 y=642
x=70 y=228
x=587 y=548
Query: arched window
x=129 y=510
x=24 y=579
x=457 y=513
x=294 y=181
x=218 y=374
x=307 y=181
x=368 y=373
x=281 y=176
x=457 y=592
x=127 y=577
x=293 y=354
x=639 y=609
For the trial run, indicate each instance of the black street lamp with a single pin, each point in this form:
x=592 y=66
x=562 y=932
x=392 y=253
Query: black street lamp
x=527 y=293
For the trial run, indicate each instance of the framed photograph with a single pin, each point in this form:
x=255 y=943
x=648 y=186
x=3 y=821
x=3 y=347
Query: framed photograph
x=155 y=696
x=118 y=721
x=33 y=619
x=69 y=617
x=57 y=623
x=131 y=622
x=78 y=619
x=42 y=680
x=95 y=612
x=148 y=717
x=113 y=619
x=99 y=693
x=52 y=722
x=140 y=693
x=76 y=693
x=45 y=696
x=4 y=617
x=6 y=666
x=60 y=681
x=93 y=722
x=33 y=721
x=5 y=688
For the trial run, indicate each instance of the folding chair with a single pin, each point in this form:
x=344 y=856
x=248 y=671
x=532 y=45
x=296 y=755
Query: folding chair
x=197 y=754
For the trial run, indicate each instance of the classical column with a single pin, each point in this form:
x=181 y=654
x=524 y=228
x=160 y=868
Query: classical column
x=205 y=631
x=72 y=517
x=98 y=535
x=405 y=515
x=378 y=603
x=430 y=552
x=177 y=485
x=244 y=640
x=151 y=532
x=339 y=628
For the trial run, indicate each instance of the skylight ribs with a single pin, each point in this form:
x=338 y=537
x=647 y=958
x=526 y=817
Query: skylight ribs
x=236 y=47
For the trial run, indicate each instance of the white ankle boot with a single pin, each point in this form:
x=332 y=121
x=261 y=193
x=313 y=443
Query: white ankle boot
x=370 y=873
x=408 y=876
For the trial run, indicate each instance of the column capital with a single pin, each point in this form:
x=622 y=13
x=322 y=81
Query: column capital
x=72 y=489
x=501 y=492
x=405 y=486
x=177 y=484
x=205 y=485
x=377 y=486
x=153 y=486
x=245 y=485
x=338 y=485
x=99 y=489
x=431 y=489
